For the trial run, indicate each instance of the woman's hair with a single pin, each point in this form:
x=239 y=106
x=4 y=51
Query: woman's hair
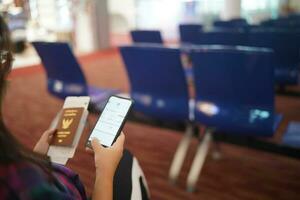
x=5 y=51
x=11 y=150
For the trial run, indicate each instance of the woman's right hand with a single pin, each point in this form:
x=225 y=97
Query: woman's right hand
x=107 y=159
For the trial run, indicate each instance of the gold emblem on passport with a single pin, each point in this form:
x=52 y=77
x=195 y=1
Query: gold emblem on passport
x=66 y=123
x=67 y=126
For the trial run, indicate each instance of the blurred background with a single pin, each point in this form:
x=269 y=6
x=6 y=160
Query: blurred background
x=89 y=25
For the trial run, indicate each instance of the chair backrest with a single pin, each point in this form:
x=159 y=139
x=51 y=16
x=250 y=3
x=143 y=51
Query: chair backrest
x=268 y=23
x=158 y=83
x=285 y=43
x=190 y=33
x=233 y=23
x=233 y=37
x=65 y=77
x=290 y=22
x=146 y=36
x=234 y=88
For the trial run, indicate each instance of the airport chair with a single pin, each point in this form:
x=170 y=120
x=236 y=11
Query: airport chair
x=189 y=33
x=234 y=95
x=286 y=46
x=158 y=84
x=159 y=90
x=146 y=36
x=64 y=74
x=221 y=36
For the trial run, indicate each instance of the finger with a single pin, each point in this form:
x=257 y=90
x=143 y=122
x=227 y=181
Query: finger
x=96 y=145
x=120 y=141
x=52 y=133
x=89 y=150
x=50 y=138
x=49 y=132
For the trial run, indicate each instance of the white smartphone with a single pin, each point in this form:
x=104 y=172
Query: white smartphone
x=111 y=121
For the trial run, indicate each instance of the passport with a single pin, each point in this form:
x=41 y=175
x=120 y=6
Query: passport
x=67 y=126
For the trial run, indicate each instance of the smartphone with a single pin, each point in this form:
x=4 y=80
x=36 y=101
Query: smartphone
x=111 y=121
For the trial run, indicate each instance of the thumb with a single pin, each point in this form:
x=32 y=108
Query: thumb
x=119 y=144
x=96 y=145
x=50 y=132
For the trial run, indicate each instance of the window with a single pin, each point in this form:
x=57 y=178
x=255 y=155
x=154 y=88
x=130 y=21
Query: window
x=257 y=10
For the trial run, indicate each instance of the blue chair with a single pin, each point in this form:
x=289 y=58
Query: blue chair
x=234 y=94
x=189 y=33
x=158 y=84
x=235 y=89
x=159 y=90
x=146 y=36
x=220 y=36
x=64 y=74
x=286 y=46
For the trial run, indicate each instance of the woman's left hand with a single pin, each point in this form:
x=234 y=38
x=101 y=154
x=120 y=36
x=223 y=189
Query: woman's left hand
x=43 y=144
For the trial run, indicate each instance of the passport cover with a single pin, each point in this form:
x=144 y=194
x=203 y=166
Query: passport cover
x=67 y=126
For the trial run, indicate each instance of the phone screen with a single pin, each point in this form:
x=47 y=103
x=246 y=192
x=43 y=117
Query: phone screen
x=111 y=120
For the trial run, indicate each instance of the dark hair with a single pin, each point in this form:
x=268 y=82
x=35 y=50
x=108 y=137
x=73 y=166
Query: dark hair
x=11 y=151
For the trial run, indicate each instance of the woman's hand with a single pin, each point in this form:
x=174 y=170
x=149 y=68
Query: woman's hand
x=107 y=159
x=43 y=144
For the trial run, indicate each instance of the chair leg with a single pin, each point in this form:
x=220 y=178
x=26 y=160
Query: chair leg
x=198 y=161
x=180 y=154
x=216 y=151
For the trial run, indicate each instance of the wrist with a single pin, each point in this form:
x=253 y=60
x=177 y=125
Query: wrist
x=104 y=174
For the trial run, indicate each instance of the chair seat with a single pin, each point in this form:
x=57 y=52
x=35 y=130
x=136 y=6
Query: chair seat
x=292 y=135
x=254 y=130
x=287 y=76
x=233 y=120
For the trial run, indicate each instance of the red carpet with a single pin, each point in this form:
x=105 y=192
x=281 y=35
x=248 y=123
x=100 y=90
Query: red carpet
x=240 y=174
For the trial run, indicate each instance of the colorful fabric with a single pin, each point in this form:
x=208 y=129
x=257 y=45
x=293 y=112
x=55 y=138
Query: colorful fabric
x=26 y=181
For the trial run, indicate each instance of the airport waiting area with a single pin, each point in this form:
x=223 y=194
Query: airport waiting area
x=130 y=100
